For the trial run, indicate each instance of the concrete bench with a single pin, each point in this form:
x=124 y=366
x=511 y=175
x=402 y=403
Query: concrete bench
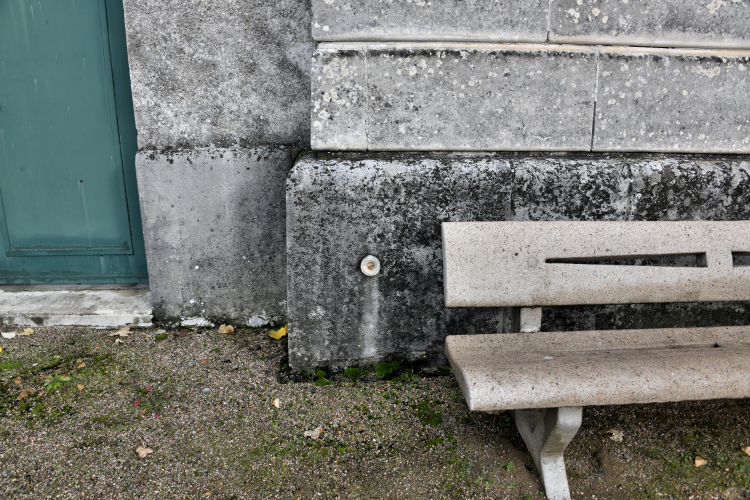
x=548 y=377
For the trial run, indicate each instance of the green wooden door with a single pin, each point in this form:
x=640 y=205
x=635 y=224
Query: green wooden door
x=68 y=199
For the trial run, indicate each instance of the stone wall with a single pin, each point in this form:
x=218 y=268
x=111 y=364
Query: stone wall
x=221 y=95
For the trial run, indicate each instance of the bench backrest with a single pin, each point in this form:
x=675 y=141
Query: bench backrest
x=527 y=264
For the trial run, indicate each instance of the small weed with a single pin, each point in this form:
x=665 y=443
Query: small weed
x=55 y=382
x=508 y=466
x=353 y=374
x=321 y=379
x=435 y=441
x=387 y=370
x=149 y=401
x=216 y=349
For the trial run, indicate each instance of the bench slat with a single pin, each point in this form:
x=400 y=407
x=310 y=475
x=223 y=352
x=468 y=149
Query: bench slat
x=515 y=371
x=501 y=264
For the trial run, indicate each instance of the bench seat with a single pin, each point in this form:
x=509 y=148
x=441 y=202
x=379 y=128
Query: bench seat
x=551 y=370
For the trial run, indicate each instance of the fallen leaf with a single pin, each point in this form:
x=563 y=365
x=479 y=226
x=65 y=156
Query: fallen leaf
x=79 y=360
x=119 y=341
x=143 y=452
x=746 y=450
x=1 y=349
x=181 y=333
x=91 y=353
x=226 y=329
x=122 y=332
x=700 y=461
x=160 y=337
x=27 y=331
x=204 y=360
x=277 y=334
x=80 y=387
x=8 y=335
x=313 y=434
x=81 y=366
x=18 y=381
x=277 y=403
x=24 y=393
x=106 y=380
x=616 y=435
x=159 y=332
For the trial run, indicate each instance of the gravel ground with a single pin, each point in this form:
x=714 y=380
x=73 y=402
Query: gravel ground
x=204 y=403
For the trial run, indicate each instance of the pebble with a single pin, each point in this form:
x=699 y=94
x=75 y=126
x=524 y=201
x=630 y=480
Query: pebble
x=206 y=390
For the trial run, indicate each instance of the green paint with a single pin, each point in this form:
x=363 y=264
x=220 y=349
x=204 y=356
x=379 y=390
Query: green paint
x=69 y=203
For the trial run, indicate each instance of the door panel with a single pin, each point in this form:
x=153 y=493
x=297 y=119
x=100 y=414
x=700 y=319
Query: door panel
x=68 y=200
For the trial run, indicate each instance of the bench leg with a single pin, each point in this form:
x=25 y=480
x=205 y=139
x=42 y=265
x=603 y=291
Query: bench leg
x=547 y=433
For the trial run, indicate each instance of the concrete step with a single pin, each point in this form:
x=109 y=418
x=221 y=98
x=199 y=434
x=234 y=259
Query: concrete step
x=667 y=23
x=474 y=97
x=552 y=370
x=75 y=306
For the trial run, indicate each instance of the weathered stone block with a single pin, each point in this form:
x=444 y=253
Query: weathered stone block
x=666 y=23
x=469 y=20
x=564 y=188
x=673 y=100
x=220 y=75
x=341 y=210
x=452 y=97
x=344 y=207
x=213 y=223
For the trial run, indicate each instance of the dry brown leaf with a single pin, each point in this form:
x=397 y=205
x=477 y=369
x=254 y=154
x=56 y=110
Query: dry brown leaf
x=18 y=381
x=204 y=360
x=615 y=435
x=700 y=461
x=314 y=434
x=24 y=393
x=91 y=353
x=27 y=331
x=81 y=366
x=80 y=387
x=119 y=341
x=226 y=329
x=79 y=360
x=143 y=452
x=122 y=332
x=746 y=450
x=277 y=403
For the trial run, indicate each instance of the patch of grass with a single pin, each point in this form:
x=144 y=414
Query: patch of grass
x=426 y=413
x=9 y=366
